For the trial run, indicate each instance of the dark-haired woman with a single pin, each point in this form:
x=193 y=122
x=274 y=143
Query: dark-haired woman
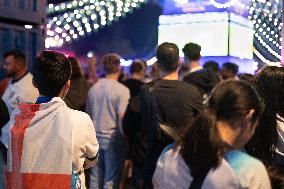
x=204 y=79
x=76 y=97
x=268 y=142
x=209 y=155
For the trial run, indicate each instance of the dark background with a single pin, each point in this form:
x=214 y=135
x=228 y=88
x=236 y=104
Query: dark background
x=132 y=36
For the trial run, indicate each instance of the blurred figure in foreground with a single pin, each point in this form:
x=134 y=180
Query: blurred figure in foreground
x=208 y=156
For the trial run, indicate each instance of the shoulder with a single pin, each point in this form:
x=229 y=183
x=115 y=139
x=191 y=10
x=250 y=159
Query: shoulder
x=79 y=116
x=122 y=87
x=250 y=171
x=185 y=85
x=171 y=171
x=26 y=83
x=75 y=117
x=238 y=159
x=29 y=76
x=95 y=86
x=187 y=88
x=224 y=171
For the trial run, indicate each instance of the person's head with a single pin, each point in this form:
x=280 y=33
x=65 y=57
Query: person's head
x=192 y=52
x=52 y=72
x=233 y=109
x=111 y=64
x=249 y=78
x=77 y=71
x=229 y=70
x=168 y=57
x=212 y=65
x=269 y=84
x=137 y=69
x=15 y=63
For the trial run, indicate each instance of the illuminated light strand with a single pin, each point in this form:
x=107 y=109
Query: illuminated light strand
x=259 y=55
x=262 y=14
x=224 y=5
x=87 y=16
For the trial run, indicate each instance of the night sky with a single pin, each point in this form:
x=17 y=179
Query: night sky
x=133 y=36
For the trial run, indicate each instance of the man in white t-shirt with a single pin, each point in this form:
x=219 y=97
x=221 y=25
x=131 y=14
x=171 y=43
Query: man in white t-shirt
x=20 y=88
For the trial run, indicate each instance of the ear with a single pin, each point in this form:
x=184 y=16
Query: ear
x=67 y=85
x=249 y=120
x=250 y=114
x=65 y=89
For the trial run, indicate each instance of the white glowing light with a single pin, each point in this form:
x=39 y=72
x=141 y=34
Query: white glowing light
x=224 y=5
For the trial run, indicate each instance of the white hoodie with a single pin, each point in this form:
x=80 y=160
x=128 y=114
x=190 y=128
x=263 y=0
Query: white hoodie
x=45 y=141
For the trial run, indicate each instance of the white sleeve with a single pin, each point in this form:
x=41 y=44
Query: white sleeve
x=86 y=143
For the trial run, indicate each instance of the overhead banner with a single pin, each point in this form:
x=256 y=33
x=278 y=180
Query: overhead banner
x=240 y=7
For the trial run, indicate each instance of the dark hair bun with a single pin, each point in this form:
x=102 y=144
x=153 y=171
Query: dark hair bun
x=192 y=51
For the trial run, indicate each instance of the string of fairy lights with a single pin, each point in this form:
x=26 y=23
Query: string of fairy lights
x=267 y=19
x=70 y=20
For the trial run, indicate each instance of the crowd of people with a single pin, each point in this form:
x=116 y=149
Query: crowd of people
x=184 y=125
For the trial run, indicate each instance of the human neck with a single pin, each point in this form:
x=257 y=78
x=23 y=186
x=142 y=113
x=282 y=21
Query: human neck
x=112 y=76
x=170 y=76
x=194 y=64
x=227 y=133
x=20 y=74
x=136 y=76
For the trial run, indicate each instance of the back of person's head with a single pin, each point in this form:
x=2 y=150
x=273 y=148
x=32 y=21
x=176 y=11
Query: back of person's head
x=249 y=78
x=137 y=67
x=168 y=57
x=77 y=71
x=52 y=70
x=231 y=102
x=192 y=51
x=111 y=63
x=19 y=56
x=269 y=84
x=231 y=67
x=212 y=65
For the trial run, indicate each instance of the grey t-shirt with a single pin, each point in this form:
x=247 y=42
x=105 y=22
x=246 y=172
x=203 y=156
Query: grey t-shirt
x=106 y=100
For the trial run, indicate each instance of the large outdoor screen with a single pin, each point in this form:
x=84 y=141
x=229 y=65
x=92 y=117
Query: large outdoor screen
x=212 y=31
